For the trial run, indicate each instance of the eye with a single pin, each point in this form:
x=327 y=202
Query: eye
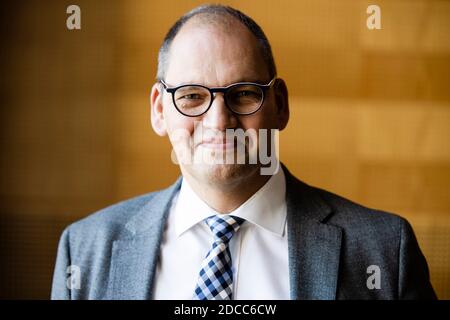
x=191 y=96
x=245 y=93
x=191 y=93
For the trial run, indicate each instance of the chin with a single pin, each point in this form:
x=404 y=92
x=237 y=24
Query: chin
x=223 y=174
x=211 y=168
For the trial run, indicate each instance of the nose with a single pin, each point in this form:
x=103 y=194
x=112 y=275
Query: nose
x=219 y=117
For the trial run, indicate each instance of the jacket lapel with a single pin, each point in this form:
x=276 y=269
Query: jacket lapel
x=134 y=258
x=314 y=246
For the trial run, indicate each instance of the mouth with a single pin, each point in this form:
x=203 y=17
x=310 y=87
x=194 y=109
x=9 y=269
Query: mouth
x=217 y=144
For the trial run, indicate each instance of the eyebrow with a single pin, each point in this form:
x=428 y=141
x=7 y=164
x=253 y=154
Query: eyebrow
x=253 y=80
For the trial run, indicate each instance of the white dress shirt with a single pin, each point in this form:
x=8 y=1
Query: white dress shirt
x=259 y=249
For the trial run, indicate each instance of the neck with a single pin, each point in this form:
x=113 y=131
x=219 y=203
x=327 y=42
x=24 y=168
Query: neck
x=226 y=197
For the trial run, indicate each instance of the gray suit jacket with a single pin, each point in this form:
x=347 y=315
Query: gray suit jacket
x=332 y=242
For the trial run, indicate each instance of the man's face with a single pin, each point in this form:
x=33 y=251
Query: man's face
x=214 y=57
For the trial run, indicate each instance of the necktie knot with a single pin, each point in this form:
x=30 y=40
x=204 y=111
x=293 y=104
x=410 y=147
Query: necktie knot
x=223 y=227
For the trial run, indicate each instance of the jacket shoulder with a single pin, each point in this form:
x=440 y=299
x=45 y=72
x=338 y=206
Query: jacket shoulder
x=377 y=238
x=109 y=222
x=351 y=215
x=118 y=213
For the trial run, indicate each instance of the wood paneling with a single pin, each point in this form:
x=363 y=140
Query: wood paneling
x=370 y=115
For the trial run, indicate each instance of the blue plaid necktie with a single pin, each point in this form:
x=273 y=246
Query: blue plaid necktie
x=216 y=277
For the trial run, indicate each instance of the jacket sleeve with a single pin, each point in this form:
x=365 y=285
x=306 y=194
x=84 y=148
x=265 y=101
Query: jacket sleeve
x=414 y=280
x=60 y=290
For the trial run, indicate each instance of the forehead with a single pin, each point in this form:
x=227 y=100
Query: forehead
x=215 y=54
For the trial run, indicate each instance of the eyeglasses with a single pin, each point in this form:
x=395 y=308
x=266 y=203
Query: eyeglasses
x=242 y=98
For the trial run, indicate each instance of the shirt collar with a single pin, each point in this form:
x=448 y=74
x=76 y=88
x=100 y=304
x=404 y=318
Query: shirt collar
x=266 y=208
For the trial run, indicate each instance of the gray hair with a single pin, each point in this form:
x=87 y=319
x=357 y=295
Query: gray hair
x=216 y=11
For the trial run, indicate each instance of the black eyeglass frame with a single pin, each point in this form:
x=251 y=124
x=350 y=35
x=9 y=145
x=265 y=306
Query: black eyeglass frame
x=263 y=87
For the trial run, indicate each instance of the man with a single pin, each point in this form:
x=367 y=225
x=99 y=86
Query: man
x=225 y=230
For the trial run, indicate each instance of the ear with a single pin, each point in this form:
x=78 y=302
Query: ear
x=282 y=103
x=156 y=110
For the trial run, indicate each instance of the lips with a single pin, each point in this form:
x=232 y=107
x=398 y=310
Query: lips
x=217 y=140
x=217 y=144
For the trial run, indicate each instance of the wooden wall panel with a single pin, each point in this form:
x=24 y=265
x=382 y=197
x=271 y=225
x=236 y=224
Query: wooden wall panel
x=370 y=115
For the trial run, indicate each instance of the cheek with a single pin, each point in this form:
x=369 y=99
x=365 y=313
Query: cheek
x=175 y=121
x=180 y=130
x=269 y=116
x=180 y=133
x=263 y=119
